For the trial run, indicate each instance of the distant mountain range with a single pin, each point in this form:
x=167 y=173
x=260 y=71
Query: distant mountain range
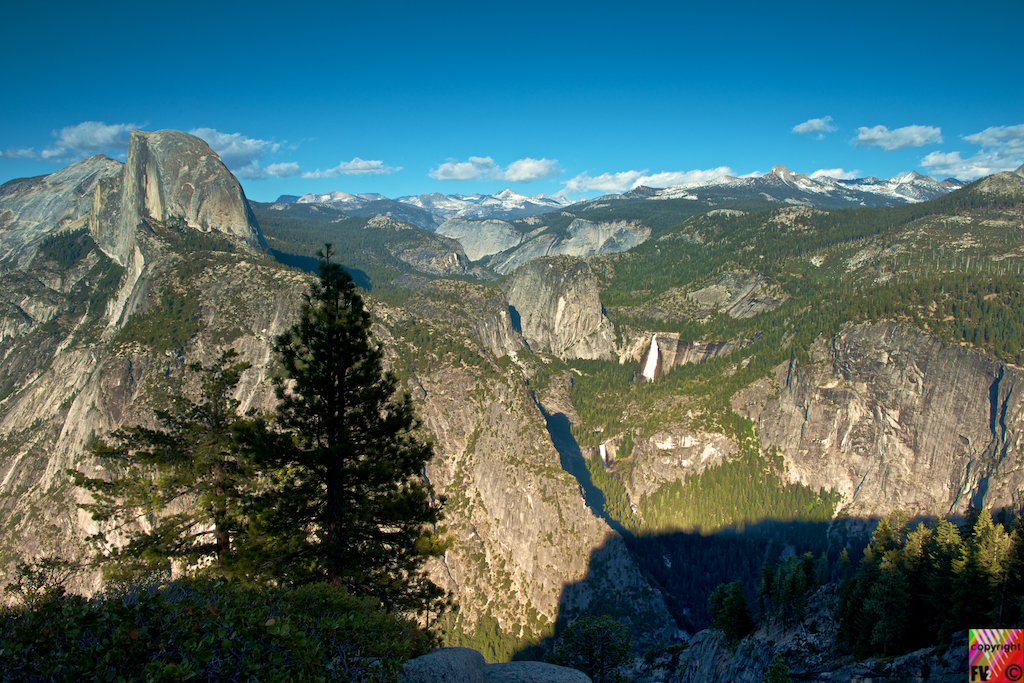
x=431 y=210
x=778 y=186
x=782 y=186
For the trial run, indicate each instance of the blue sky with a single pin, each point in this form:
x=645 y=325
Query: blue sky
x=580 y=99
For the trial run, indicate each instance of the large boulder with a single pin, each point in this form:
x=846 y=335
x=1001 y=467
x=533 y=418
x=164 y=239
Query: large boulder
x=446 y=665
x=534 y=672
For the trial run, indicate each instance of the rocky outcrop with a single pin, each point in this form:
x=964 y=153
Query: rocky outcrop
x=737 y=294
x=667 y=351
x=424 y=251
x=583 y=238
x=811 y=651
x=31 y=209
x=513 y=247
x=481 y=238
x=558 y=309
x=894 y=419
x=169 y=175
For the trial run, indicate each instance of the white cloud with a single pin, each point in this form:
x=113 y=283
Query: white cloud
x=998 y=135
x=819 y=126
x=355 y=167
x=75 y=142
x=484 y=168
x=527 y=170
x=284 y=170
x=250 y=171
x=981 y=164
x=627 y=180
x=93 y=136
x=474 y=169
x=24 y=153
x=892 y=140
x=606 y=182
x=1002 y=150
x=667 y=179
x=237 y=151
x=837 y=173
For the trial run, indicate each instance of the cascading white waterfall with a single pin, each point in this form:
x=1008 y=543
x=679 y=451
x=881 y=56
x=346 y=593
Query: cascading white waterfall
x=652 y=359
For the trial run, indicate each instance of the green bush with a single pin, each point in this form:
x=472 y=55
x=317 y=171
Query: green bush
x=208 y=630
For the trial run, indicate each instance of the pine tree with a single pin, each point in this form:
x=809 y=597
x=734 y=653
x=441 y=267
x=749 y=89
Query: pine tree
x=348 y=503
x=778 y=671
x=595 y=645
x=190 y=465
x=730 y=612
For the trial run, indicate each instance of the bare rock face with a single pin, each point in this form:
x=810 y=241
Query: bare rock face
x=667 y=351
x=584 y=238
x=811 y=651
x=512 y=248
x=893 y=419
x=534 y=672
x=481 y=238
x=556 y=301
x=169 y=175
x=31 y=209
x=446 y=665
x=739 y=294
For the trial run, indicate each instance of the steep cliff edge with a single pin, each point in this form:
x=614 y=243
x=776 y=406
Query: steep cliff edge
x=894 y=419
x=169 y=175
x=31 y=209
x=558 y=309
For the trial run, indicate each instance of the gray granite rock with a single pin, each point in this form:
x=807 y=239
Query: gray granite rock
x=446 y=665
x=534 y=672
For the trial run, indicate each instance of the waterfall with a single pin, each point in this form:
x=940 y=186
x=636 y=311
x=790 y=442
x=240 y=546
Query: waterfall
x=652 y=359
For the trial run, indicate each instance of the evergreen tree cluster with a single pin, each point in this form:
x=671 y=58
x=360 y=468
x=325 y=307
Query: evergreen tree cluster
x=747 y=489
x=729 y=611
x=916 y=587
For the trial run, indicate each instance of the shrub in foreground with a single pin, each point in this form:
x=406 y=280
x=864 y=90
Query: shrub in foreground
x=208 y=630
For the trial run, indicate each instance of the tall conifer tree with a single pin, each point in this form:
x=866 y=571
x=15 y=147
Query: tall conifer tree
x=350 y=504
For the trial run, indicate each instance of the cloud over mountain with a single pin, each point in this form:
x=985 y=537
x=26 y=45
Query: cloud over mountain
x=1002 y=150
x=627 y=180
x=83 y=139
x=355 y=167
x=837 y=173
x=484 y=168
x=241 y=154
x=899 y=138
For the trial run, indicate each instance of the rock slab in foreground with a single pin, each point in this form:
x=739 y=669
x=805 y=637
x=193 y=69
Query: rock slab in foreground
x=534 y=672
x=463 y=665
x=446 y=665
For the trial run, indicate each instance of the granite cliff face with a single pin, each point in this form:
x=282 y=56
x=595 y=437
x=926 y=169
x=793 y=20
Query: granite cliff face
x=894 y=419
x=34 y=208
x=169 y=175
x=558 y=309
x=584 y=238
x=510 y=246
x=481 y=238
x=667 y=351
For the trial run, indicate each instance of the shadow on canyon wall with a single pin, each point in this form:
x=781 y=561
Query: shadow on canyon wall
x=636 y=577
